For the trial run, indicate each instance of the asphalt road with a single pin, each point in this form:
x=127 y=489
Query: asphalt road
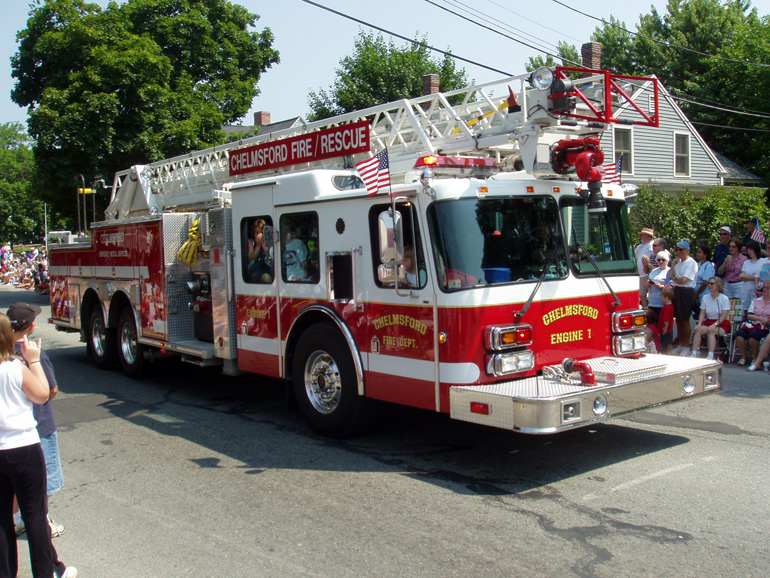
x=189 y=473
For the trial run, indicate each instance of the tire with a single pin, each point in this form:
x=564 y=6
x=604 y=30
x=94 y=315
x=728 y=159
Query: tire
x=325 y=385
x=101 y=341
x=130 y=351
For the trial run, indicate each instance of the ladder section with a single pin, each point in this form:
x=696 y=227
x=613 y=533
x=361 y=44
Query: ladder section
x=504 y=119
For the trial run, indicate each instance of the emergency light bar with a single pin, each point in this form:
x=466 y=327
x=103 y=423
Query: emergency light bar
x=458 y=166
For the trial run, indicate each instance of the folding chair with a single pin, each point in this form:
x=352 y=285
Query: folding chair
x=735 y=317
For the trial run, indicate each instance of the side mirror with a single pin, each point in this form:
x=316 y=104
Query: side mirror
x=385 y=274
x=267 y=236
x=391 y=237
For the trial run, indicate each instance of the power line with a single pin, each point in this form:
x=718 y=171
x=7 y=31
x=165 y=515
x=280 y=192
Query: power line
x=730 y=127
x=644 y=88
x=475 y=63
x=722 y=108
x=491 y=29
x=661 y=42
x=416 y=42
x=475 y=12
x=534 y=21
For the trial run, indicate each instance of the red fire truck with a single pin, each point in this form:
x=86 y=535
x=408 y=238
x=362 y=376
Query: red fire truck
x=477 y=267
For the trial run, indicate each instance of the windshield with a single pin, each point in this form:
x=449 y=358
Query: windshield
x=599 y=237
x=481 y=242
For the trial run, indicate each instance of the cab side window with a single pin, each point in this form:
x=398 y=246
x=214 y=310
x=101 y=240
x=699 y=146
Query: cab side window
x=257 y=261
x=412 y=273
x=299 y=248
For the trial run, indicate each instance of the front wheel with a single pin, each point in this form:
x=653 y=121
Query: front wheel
x=130 y=351
x=325 y=384
x=101 y=341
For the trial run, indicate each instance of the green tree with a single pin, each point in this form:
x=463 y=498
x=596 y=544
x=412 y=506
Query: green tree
x=702 y=50
x=567 y=53
x=133 y=83
x=697 y=219
x=380 y=72
x=21 y=216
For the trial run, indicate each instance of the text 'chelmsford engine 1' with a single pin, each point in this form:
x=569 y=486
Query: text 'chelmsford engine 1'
x=475 y=265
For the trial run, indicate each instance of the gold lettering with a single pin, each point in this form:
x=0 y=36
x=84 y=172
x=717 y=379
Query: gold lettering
x=570 y=311
x=566 y=337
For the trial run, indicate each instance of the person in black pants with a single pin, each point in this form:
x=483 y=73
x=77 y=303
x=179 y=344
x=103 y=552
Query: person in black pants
x=22 y=465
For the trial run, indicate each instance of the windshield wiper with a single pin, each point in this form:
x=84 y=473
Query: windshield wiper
x=585 y=250
x=523 y=312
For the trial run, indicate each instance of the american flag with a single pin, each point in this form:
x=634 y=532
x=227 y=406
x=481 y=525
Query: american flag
x=612 y=171
x=375 y=172
x=758 y=236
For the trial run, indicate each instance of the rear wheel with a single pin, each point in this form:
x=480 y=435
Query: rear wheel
x=101 y=341
x=325 y=385
x=130 y=351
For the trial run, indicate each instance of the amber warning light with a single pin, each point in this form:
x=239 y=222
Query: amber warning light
x=458 y=166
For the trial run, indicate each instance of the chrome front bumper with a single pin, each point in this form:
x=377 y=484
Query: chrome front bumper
x=542 y=405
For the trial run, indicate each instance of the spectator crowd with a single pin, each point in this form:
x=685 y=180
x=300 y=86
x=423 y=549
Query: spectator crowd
x=702 y=294
x=24 y=270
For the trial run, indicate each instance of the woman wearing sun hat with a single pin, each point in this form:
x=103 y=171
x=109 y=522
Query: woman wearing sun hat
x=645 y=256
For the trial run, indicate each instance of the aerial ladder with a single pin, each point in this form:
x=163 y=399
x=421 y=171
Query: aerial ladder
x=518 y=121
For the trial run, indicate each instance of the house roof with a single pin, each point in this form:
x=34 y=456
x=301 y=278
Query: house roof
x=282 y=124
x=249 y=130
x=735 y=173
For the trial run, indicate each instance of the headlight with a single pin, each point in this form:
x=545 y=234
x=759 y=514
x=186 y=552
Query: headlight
x=629 y=343
x=507 y=363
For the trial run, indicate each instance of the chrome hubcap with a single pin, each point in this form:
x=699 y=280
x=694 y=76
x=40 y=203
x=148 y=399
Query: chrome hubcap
x=128 y=343
x=322 y=382
x=98 y=337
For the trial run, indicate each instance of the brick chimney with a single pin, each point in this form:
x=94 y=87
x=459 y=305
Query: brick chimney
x=261 y=118
x=591 y=53
x=431 y=83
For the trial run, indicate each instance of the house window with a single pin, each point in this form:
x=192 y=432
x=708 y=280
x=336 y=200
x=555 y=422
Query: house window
x=682 y=155
x=623 y=149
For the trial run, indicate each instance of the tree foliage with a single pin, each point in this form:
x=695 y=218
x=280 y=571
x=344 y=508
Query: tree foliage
x=567 y=53
x=378 y=72
x=133 y=83
x=21 y=214
x=697 y=219
x=703 y=51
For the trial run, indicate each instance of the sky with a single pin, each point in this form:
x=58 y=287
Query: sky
x=311 y=41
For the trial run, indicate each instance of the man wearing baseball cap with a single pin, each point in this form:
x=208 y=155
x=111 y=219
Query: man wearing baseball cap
x=685 y=270
x=722 y=251
x=644 y=254
x=22 y=317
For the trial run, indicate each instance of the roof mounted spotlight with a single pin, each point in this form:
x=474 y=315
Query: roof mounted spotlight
x=561 y=95
x=542 y=78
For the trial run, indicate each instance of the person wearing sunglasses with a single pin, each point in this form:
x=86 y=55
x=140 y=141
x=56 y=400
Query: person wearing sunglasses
x=721 y=251
x=755 y=328
x=644 y=253
x=750 y=273
x=705 y=272
x=730 y=269
x=685 y=269
x=712 y=320
x=657 y=280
